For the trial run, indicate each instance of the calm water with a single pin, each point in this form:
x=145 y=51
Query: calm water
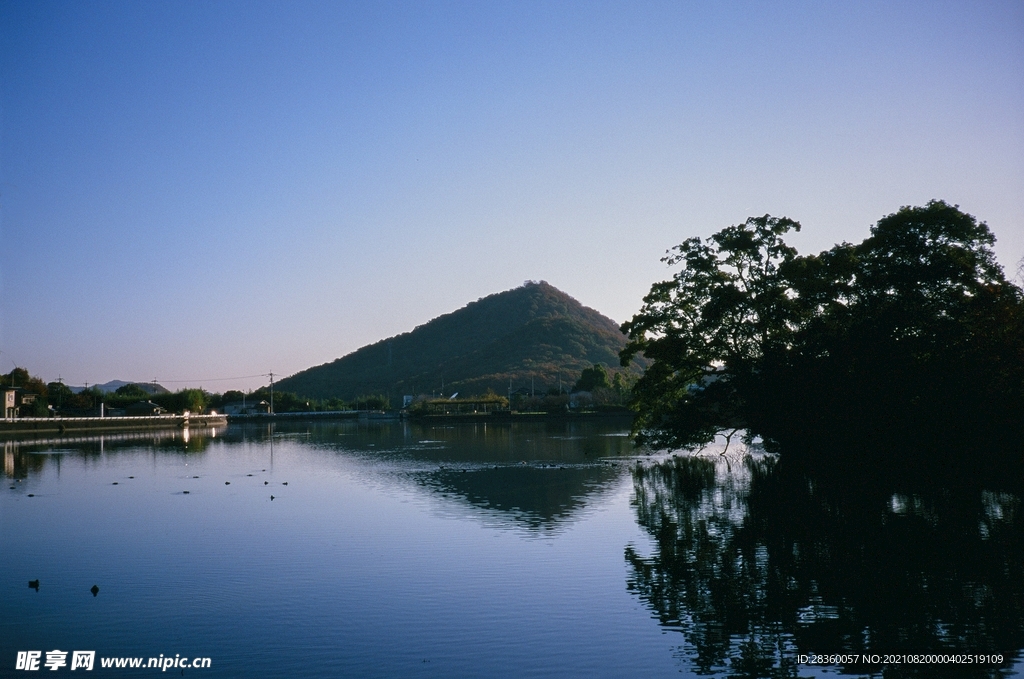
x=533 y=550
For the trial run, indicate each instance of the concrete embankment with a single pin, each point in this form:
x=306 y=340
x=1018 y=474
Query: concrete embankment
x=81 y=425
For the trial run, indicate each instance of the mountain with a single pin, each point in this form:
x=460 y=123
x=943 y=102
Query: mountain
x=532 y=335
x=114 y=385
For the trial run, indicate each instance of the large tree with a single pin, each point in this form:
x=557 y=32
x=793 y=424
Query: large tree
x=914 y=330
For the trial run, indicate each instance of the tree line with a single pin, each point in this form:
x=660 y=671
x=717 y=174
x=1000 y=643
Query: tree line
x=60 y=398
x=604 y=387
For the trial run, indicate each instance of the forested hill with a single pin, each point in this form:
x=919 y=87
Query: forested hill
x=534 y=332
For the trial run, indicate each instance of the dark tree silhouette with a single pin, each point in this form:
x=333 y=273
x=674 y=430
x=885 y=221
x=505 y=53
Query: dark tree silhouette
x=914 y=335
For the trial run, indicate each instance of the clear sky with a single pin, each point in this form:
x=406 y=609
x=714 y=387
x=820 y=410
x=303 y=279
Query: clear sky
x=195 y=191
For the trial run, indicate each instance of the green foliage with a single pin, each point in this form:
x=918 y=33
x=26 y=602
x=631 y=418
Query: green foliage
x=38 y=408
x=284 y=401
x=489 y=402
x=914 y=331
x=373 y=402
x=58 y=393
x=622 y=384
x=20 y=378
x=132 y=391
x=593 y=378
x=725 y=310
x=191 y=400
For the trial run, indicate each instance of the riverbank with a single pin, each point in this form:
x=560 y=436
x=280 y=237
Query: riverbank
x=81 y=425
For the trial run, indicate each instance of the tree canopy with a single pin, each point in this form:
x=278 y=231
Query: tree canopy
x=593 y=378
x=132 y=391
x=915 y=330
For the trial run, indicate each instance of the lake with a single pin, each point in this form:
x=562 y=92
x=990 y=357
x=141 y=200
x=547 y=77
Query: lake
x=541 y=549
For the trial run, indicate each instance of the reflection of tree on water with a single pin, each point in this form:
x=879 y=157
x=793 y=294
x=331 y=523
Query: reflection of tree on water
x=755 y=564
x=29 y=457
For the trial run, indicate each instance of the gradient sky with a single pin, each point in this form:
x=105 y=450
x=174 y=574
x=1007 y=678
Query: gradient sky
x=198 y=191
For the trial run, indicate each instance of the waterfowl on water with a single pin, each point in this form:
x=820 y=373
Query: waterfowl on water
x=34 y=584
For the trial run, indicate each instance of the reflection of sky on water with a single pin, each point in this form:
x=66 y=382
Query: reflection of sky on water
x=377 y=557
x=489 y=551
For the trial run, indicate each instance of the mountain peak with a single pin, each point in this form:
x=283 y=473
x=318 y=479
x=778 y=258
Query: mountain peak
x=534 y=335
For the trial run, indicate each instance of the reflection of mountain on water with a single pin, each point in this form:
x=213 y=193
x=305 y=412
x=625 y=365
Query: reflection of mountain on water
x=756 y=564
x=537 y=474
x=497 y=443
x=539 y=498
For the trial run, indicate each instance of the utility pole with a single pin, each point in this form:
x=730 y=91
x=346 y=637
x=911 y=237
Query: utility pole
x=271 y=392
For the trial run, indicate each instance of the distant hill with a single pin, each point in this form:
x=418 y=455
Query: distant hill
x=534 y=332
x=114 y=385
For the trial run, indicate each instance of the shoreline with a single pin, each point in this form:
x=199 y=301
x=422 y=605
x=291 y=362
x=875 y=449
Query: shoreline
x=73 y=425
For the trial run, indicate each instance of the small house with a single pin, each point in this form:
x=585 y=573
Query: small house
x=14 y=399
x=242 y=408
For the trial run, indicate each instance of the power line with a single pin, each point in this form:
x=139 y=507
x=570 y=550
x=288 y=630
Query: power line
x=216 y=379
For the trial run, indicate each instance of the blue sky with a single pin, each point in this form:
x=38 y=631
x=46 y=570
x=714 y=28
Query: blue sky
x=197 y=191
